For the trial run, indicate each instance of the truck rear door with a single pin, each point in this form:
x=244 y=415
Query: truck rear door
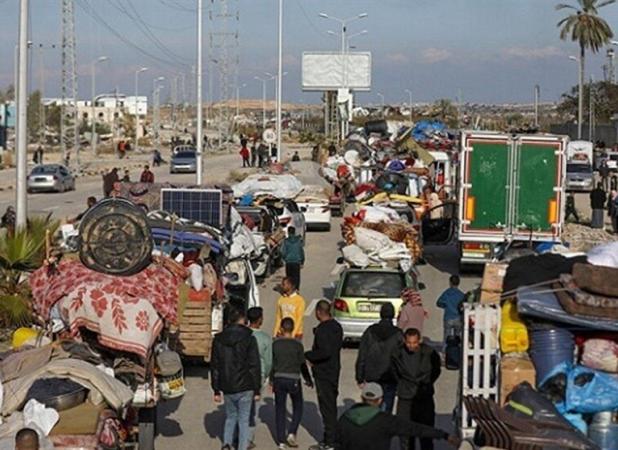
x=538 y=180
x=484 y=191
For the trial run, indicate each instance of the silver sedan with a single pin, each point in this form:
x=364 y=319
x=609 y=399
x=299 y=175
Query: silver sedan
x=50 y=178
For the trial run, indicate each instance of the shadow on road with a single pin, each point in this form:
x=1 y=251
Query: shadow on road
x=214 y=421
x=167 y=426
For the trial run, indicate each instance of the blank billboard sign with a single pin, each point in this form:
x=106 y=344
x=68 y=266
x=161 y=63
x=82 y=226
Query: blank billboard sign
x=323 y=71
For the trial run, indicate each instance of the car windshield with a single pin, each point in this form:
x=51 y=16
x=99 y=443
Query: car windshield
x=44 y=170
x=185 y=155
x=579 y=168
x=373 y=284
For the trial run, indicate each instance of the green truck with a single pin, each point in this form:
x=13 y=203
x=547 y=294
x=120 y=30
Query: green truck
x=512 y=188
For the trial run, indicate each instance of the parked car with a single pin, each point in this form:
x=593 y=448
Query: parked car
x=50 y=178
x=314 y=204
x=289 y=214
x=184 y=161
x=579 y=177
x=612 y=161
x=360 y=293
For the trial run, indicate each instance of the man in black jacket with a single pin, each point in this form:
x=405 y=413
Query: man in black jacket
x=235 y=376
x=325 y=357
x=598 y=197
x=365 y=427
x=378 y=346
x=417 y=367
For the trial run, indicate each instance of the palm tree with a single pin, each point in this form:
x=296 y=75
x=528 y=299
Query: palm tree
x=590 y=31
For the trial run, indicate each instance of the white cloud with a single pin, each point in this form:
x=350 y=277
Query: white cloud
x=398 y=58
x=434 y=55
x=532 y=53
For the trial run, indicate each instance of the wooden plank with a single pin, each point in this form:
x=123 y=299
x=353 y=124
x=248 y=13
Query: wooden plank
x=196 y=320
x=196 y=312
x=184 y=336
x=195 y=328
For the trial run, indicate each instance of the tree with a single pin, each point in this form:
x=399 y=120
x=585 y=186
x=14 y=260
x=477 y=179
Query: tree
x=590 y=31
x=34 y=115
x=605 y=98
x=8 y=94
x=445 y=111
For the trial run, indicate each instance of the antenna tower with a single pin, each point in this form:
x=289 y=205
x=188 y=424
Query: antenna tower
x=224 y=58
x=68 y=121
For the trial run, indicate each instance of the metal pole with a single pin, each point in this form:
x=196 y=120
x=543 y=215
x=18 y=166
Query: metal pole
x=237 y=100
x=580 y=100
x=263 y=105
x=279 y=80
x=199 y=138
x=590 y=112
x=93 y=139
x=21 y=200
x=537 y=96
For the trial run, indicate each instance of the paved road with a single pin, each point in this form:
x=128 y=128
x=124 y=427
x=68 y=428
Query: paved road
x=194 y=421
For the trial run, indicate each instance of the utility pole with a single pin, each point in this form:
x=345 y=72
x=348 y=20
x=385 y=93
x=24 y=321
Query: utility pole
x=537 y=97
x=93 y=119
x=591 y=111
x=279 y=81
x=21 y=134
x=410 y=94
x=69 y=126
x=199 y=139
x=137 y=72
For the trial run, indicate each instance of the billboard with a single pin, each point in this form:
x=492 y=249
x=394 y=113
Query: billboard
x=325 y=71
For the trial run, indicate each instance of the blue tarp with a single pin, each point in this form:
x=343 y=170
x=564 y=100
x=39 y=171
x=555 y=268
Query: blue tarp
x=427 y=129
x=186 y=238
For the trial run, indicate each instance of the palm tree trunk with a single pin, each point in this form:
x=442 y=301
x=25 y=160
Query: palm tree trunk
x=580 y=100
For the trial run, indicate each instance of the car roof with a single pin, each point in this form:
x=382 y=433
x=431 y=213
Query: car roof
x=374 y=269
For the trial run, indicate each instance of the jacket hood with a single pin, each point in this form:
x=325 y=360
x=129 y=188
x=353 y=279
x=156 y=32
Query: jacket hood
x=362 y=414
x=384 y=330
x=234 y=334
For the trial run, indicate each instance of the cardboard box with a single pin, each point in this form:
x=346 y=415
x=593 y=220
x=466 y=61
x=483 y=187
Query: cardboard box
x=515 y=368
x=493 y=277
x=488 y=297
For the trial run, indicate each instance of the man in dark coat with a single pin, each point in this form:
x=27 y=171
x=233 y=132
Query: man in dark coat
x=325 y=357
x=109 y=179
x=417 y=367
x=236 y=377
x=378 y=346
x=598 y=197
x=365 y=426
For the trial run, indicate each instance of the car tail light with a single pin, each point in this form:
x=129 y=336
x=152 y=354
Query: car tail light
x=285 y=220
x=341 y=305
x=55 y=178
x=475 y=246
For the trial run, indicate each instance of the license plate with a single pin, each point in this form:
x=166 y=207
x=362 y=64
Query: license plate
x=369 y=307
x=40 y=179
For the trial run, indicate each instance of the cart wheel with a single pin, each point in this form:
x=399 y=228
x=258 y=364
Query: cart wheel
x=147 y=428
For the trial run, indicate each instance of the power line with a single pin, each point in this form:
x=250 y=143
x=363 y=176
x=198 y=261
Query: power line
x=311 y=23
x=177 y=6
x=87 y=8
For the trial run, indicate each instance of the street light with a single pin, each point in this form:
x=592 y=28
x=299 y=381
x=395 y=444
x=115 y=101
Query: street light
x=580 y=100
x=93 y=137
x=264 y=81
x=198 y=78
x=21 y=136
x=137 y=72
x=410 y=94
x=155 y=112
x=382 y=100
x=238 y=97
x=279 y=80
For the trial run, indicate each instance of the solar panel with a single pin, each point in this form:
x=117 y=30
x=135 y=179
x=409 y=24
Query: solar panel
x=201 y=205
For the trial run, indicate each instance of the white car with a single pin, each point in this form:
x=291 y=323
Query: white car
x=313 y=202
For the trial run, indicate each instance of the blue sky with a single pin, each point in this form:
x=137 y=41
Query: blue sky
x=489 y=50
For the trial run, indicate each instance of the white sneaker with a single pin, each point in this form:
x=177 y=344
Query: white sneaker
x=281 y=447
x=291 y=441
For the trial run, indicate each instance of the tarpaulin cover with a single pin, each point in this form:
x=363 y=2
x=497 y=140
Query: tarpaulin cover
x=280 y=186
x=180 y=238
x=126 y=312
x=542 y=303
x=604 y=255
x=426 y=129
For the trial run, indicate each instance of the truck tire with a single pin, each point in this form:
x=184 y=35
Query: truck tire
x=147 y=428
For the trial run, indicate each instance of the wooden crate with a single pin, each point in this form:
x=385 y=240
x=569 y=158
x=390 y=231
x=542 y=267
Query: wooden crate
x=194 y=330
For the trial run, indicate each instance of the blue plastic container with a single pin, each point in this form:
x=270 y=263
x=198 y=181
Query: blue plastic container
x=550 y=347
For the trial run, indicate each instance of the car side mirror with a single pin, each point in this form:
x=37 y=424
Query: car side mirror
x=303 y=209
x=422 y=286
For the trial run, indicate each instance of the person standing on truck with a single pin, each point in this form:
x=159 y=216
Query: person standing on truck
x=379 y=344
x=235 y=377
x=366 y=426
x=255 y=316
x=293 y=255
x=325 y=358
x=598 y=197
x=290 y=304
x=288 y=367
x=569 y=209
x=417 y=367
x=450 y=301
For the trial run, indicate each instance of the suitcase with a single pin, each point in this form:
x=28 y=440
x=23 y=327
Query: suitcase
x=452 y=353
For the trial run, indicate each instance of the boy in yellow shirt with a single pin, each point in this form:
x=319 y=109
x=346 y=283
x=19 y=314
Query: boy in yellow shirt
x=291 y=304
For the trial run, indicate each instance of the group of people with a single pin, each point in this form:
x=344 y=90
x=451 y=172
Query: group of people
x=112 y=177
x=600 y=202
x=392 y=362
x=258 y=155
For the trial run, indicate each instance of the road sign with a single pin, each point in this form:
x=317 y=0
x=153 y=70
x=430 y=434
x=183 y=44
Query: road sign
x=269 y=136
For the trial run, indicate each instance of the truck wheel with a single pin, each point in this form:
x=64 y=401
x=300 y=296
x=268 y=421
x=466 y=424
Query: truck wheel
x=147 y=428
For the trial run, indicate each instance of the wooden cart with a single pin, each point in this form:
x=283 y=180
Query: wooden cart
x=194 y=333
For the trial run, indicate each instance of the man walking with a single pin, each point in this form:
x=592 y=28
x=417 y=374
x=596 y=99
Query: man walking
x=417 y=367
x=604 y=174
x=235 y=377
x=293 y=255
x=290 y=304
x=365 y=426
x=288 y=366
x=378 y=346
x=569 y=209
x=450 y=301
x=255 y=316
x=245 y=154
x=325 y=357
x=598 y=197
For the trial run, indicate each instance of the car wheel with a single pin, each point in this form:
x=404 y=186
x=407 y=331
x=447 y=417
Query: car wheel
x=61 y=189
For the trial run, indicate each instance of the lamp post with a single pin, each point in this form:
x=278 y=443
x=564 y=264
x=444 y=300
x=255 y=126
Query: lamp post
x=580 y=99
x=238 y=98
x=155 y=104
x=21 y=200
x=199 y=139
x=93 y=137
x=279 y=80
x=410 y=94
x=382 y=101
x=264 y=81
x=137 y=72
x=537 y=97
